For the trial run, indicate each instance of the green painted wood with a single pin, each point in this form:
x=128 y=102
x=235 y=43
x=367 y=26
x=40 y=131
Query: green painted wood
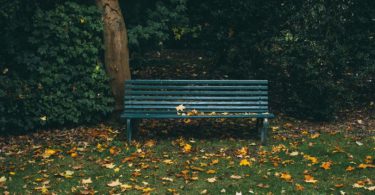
x=175 y=116
x=236 y=82
x=149 y=97
x=156 y=111
x=197 y=87
x=132 y=102
x=231 y=93
x=193 y=107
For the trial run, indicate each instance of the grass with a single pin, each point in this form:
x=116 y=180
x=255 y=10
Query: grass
x=38 y=163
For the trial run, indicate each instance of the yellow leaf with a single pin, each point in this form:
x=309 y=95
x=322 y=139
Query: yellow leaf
x=49 y=152
x=74 y=154
x=187 y=120
x=116 y=169
x=82 y=20
x=67 y=174
x=365 y=166
x=211 y=171
x=242 y=151
x=146 y=190
x=286 y=176
x=187 y=148
x=368 y=159
x=214 y=162
x=313 y=160
x=349 y=168
x=310 y=179
x=12 y=173
x=114 y=183
x=180 y=108
x=150 y=143
x=3 y=179
x=113 y=150
x=315 y=135
x=125 y=187
x=43 y=118
x=245 y=162
x=168 y=161
x=326 y=165
x=197 y=169
x=99 y=147
x=299 y=187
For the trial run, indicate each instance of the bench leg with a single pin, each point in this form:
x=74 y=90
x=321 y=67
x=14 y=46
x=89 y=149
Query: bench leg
x=129 y=130
x=263 y=133
x=258 y=124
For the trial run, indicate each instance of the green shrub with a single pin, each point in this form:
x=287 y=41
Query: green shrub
x=55 y=78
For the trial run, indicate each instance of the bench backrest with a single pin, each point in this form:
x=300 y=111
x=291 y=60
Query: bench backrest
x=220 y=96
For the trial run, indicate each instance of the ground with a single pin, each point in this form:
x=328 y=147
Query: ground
x=203 y=156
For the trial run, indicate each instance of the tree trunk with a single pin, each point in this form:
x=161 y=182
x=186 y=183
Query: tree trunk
x=116 y=54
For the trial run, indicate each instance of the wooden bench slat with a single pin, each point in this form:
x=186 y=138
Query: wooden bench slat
x=236 y=82
x=149 y=97
x=205 y=111
x=197 y=92
x=132 y=102
x=193 y=107
x=168 y=116
x=198 y=87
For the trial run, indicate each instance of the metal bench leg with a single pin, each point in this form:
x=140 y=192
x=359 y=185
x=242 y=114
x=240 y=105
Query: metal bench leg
x=263 y=133
x=129 y=130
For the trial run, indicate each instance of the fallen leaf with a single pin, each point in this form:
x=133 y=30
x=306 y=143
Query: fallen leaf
x=313 y=160
x=125 y=187
x=196 y=168
x=326 y=165
x=67 y=174
x=114 y=183
x=168 y=161
x=245 y=162
x=211 y=171
x=187 y=148
x=3 y=179
x=204 y=191
x=368 y=160
x=359 y=143
x=286 y=176
x=235 y=177
x=299 y=187
x=147 y=190
x=262 y=185
x=167 y=179
x=295 y=153
x=211 y=180
x=49 y=152
x=315 y=135
x=86 y=181
x=242 y=151
x=180 y=108
x=310 y=179
x=150 y=143
x=339 y=185
x=109 y=165
x=214 y=162
x=223 y=190
x=349 y=168
x=365 y=166
x=238 y=193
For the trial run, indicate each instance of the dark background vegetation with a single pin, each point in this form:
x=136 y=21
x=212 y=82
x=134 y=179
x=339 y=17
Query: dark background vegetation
x=318 y=54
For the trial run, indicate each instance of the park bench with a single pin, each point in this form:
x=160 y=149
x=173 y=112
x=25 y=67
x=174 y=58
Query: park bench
x=181 y=99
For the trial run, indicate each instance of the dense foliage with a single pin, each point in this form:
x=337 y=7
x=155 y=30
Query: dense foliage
x=50 y=71
x=318 y=54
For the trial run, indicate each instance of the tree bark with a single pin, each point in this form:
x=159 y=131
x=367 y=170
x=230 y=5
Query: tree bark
x=116 y=54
